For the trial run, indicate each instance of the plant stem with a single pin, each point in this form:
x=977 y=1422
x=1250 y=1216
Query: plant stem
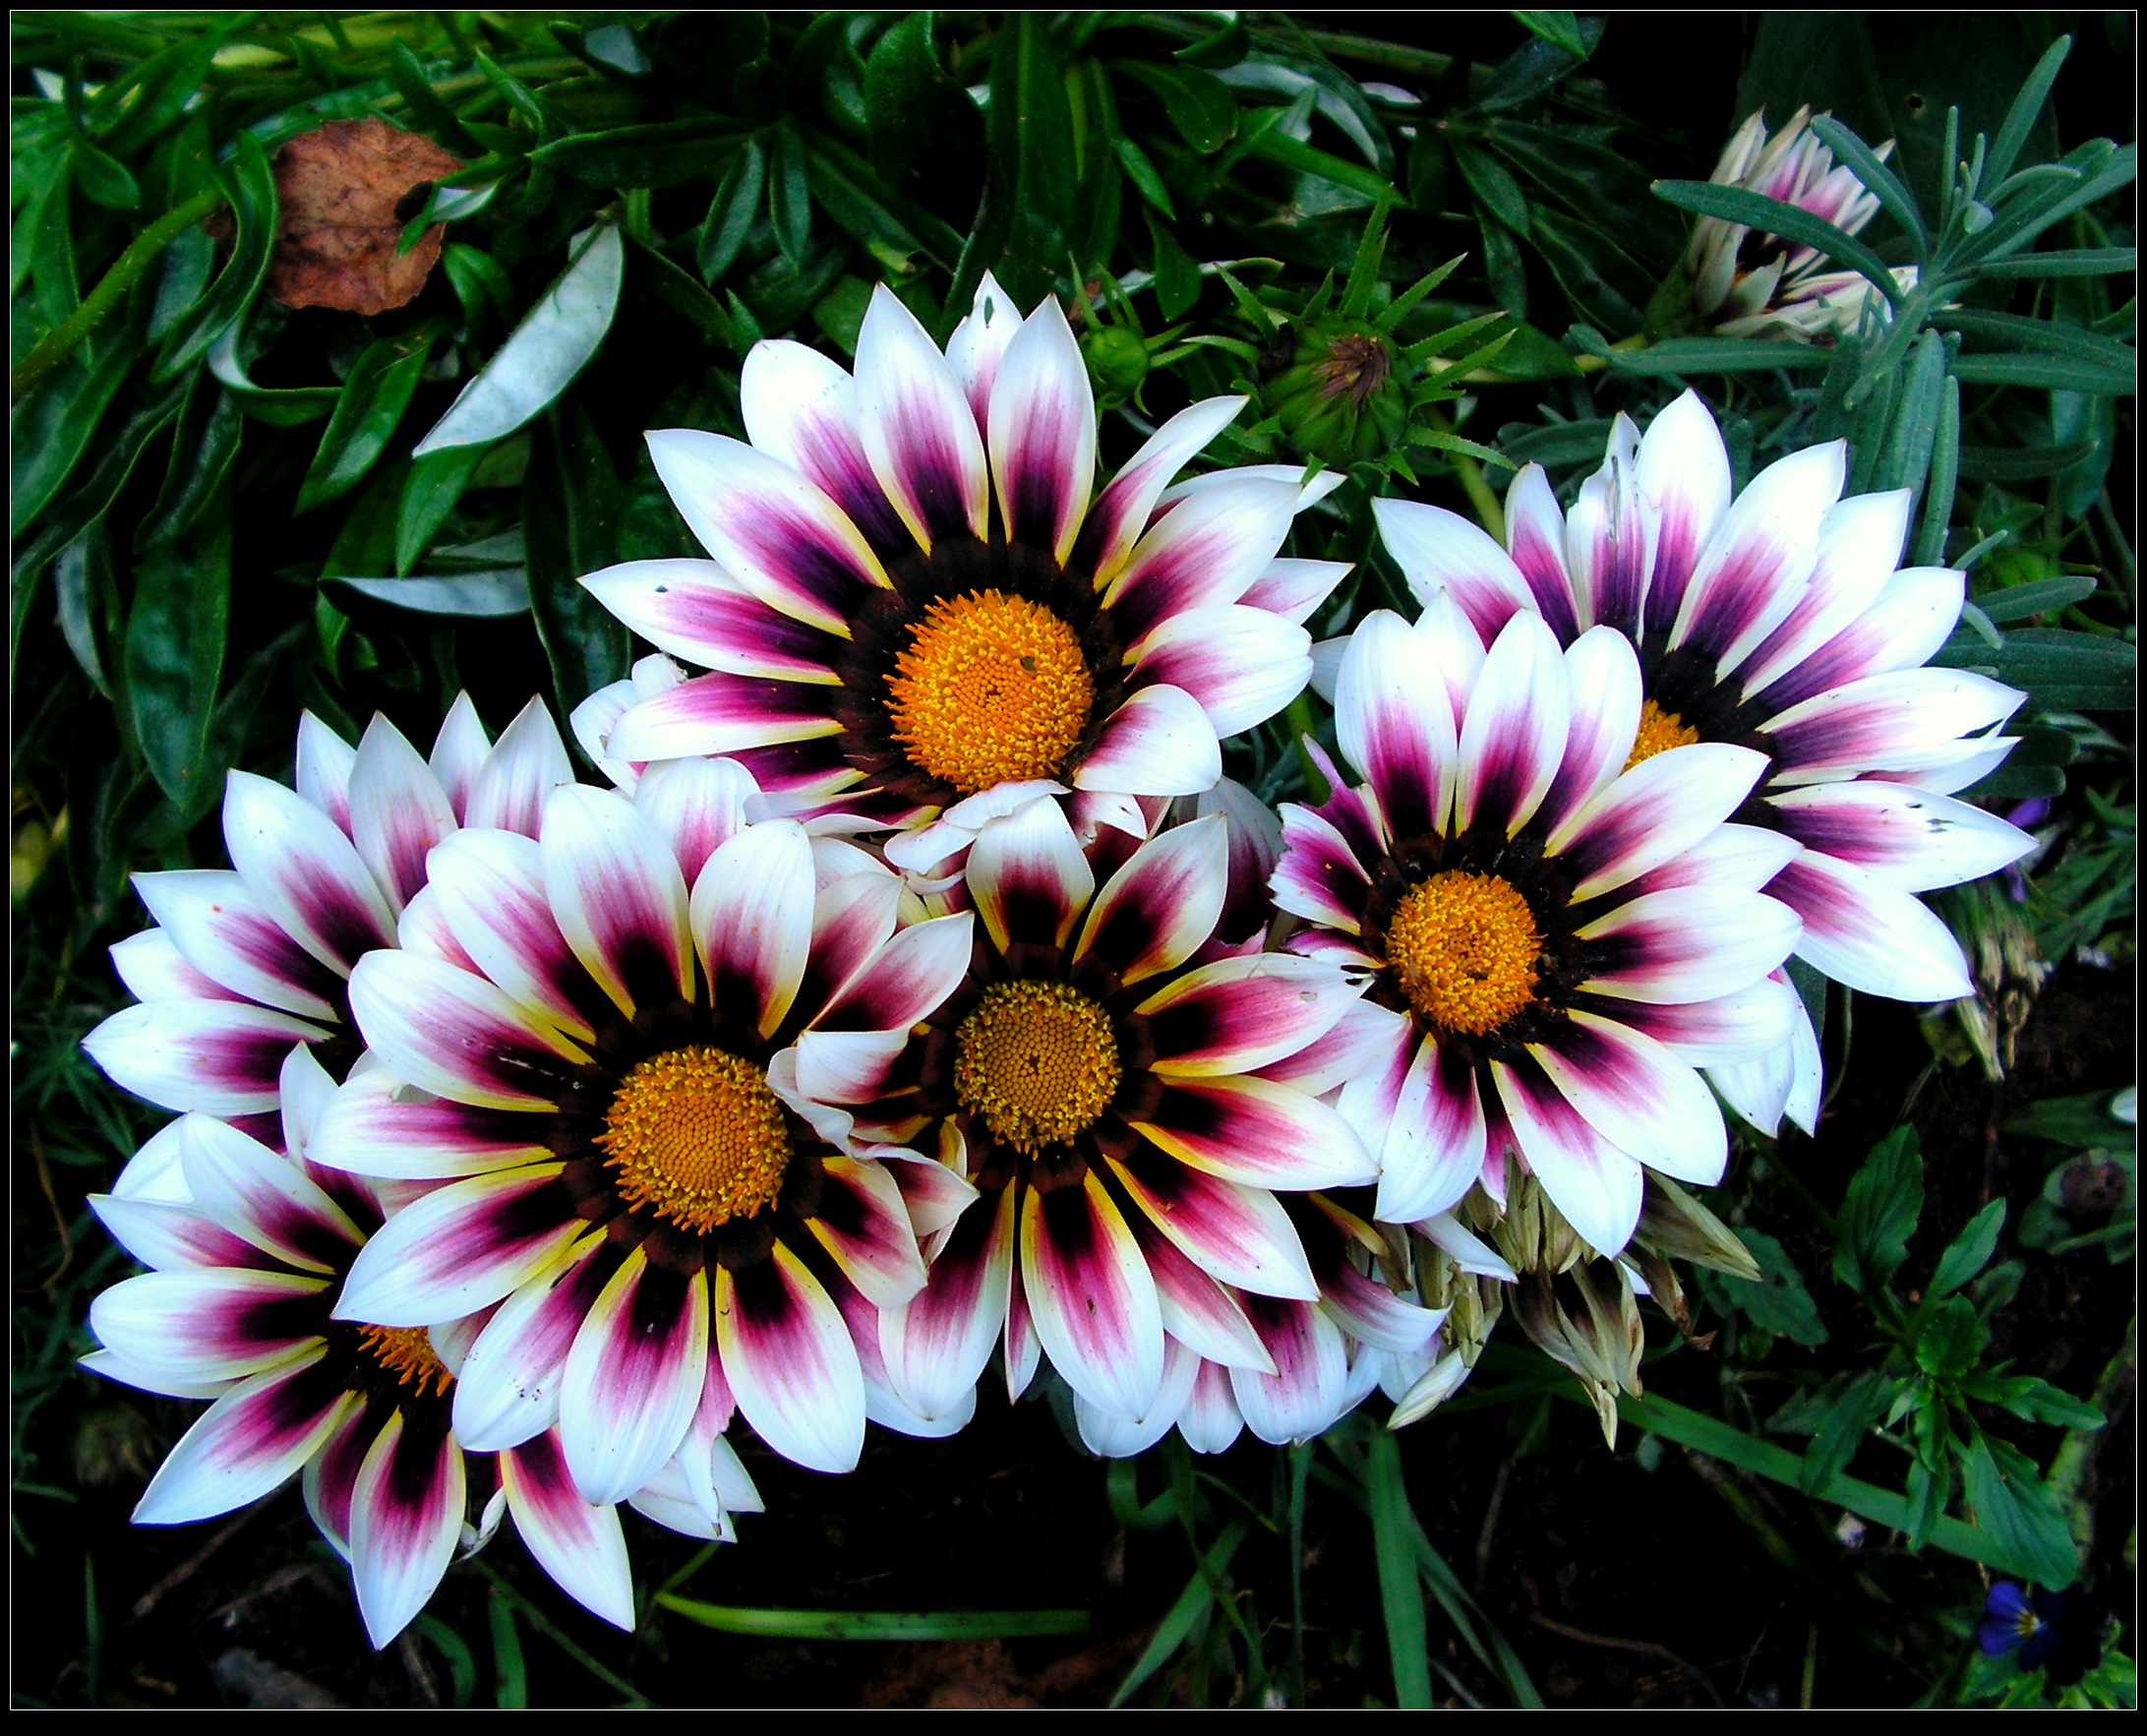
x=58 y=343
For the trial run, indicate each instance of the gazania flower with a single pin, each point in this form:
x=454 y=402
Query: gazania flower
x=249 y=1255
x=1305 y=1363
x=247 y=961
x=1750 y=283
x=1105 y=1096
x=918 y=603
x=1775 y=622
x=593 y=1060
x=1550 y=942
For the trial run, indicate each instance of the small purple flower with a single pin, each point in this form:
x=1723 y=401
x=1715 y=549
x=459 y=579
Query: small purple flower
x=2027 y=817
x=2060 y=1631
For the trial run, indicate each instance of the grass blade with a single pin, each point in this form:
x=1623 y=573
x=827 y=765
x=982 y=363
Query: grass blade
x=1394 y=1530
x=837 y=1624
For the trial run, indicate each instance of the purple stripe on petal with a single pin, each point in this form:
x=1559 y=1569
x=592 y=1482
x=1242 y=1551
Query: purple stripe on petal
x=905 y=979
x=489 y=890
x=459 y=754
x=460 y=1248
x=918 y=429
x=1637 y=1095
x=936 y=1346
x=1028 y=878
x=1395 y=727
x=1871 y=935
x=1515 y=735
x=397 y=811
x=507 y=1388
x=1903 y=630
x=1602 y=671
x=1211 y=1421
x=456 y=1035
x=1900 y=722
x=1664 y=805
x=405 y=1518
x=265 y=1198
x=1441 y=552
x=1912 y=838
x=1760 y=561
x=325 y=761
x=224 y=932
x=1319 y=877
x=862 y=1224
x=1238 y=1236
x=1090 y=1298
x=1265 y=1135
x=633 y=1377
x=167 y=1238
x=1241 y=1014
x=1209 y=548
x=305 y=873
x=695 y=611
x=1159 y=743
x=1156 y=910
x=1366 y=1309
x=618 y=898
x=800 y=408
x=247 y=1443
x=1309 y=1386
x=1197 y=1311
x=1042 y=433
x=1241 y=664
x=1610 y=538
x=768 y=526
x=1535 y=536
x=221 y=1324
x=853 y=918
x=1434 y=1145
x=577 y=1543
x=223 y=1058
x=366 y=1129
x=751 y=917
x=1859 y=544
x=1684 y=473
x=1121 y=512
x=789 y=1357
x=1688 y=944
x=1591 y=1181
x=332 y=1477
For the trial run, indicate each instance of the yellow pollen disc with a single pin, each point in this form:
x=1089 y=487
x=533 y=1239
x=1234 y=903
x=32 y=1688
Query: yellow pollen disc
x=696 y=1136
x=406 y=1352
x=993 y=690
x=1038 y=1060
x=1660 y=731
x=1463 y=949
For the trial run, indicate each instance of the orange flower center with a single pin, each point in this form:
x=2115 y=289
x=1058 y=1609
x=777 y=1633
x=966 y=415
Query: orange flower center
x=1660 y=731
x=407 y=1354
x=696 y=1136
x=992 y=690
x=1039 y=1062
x=1463 y=949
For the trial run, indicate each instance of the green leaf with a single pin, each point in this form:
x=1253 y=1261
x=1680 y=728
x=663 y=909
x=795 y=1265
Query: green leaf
x=2036 y=1400
x=882 y=1625
x=103 y=179
x=572 y=504
x=481 y=284
x=427 y=113
x=232 y=354
x=51 y=427
x=2021 y=117
x=1142 y=173
x=1534 y=69
x=544 y=353
x=1226 y=47
x=2063 y=671
x=1177 y=278
x=174 y=658
x=790 y=204
x=254 y=213
x=1968 y=1252
x=1499 y=193
x=1852 y=1417
x=1561 y=30
x=2016 y=1505
x=1905 y=459
x=81 y=580
x=143 y=101
x=1394 y=1533
x=204 y=443
x=1950 y=1340
x=510 y=1677
x=2078 y=262
x=848 y=190
x=1778 y=1303
x=499 y=592
x=1878 y=180
x=906 y=96
x=1199 y=104
x=1503 y=266
x=661 y=155
x=1877 y=1216
x=2048 y=372
x=1184 y=1616
x=736 y=204
x=367 y=416
x=1030 y=170
x=2020 y=463
x=1734 y=204
x=2084 y=1123
x=430 y=492
x=1277 y=146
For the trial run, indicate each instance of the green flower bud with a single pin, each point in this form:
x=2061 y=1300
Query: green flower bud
x=1117 y=360
x=1341 y=400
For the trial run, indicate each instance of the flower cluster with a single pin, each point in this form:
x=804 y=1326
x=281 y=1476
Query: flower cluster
x=919 y=993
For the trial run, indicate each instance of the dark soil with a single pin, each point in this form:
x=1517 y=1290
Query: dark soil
x=1641 y=1576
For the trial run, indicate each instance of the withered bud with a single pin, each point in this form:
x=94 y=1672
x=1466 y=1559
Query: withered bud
x=1674 y=1224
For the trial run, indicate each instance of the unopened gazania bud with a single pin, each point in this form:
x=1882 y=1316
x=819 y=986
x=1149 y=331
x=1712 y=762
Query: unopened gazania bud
x=1675 y=1224
x=1341 y=399
x=1601 y=1342
x=1117 y=360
